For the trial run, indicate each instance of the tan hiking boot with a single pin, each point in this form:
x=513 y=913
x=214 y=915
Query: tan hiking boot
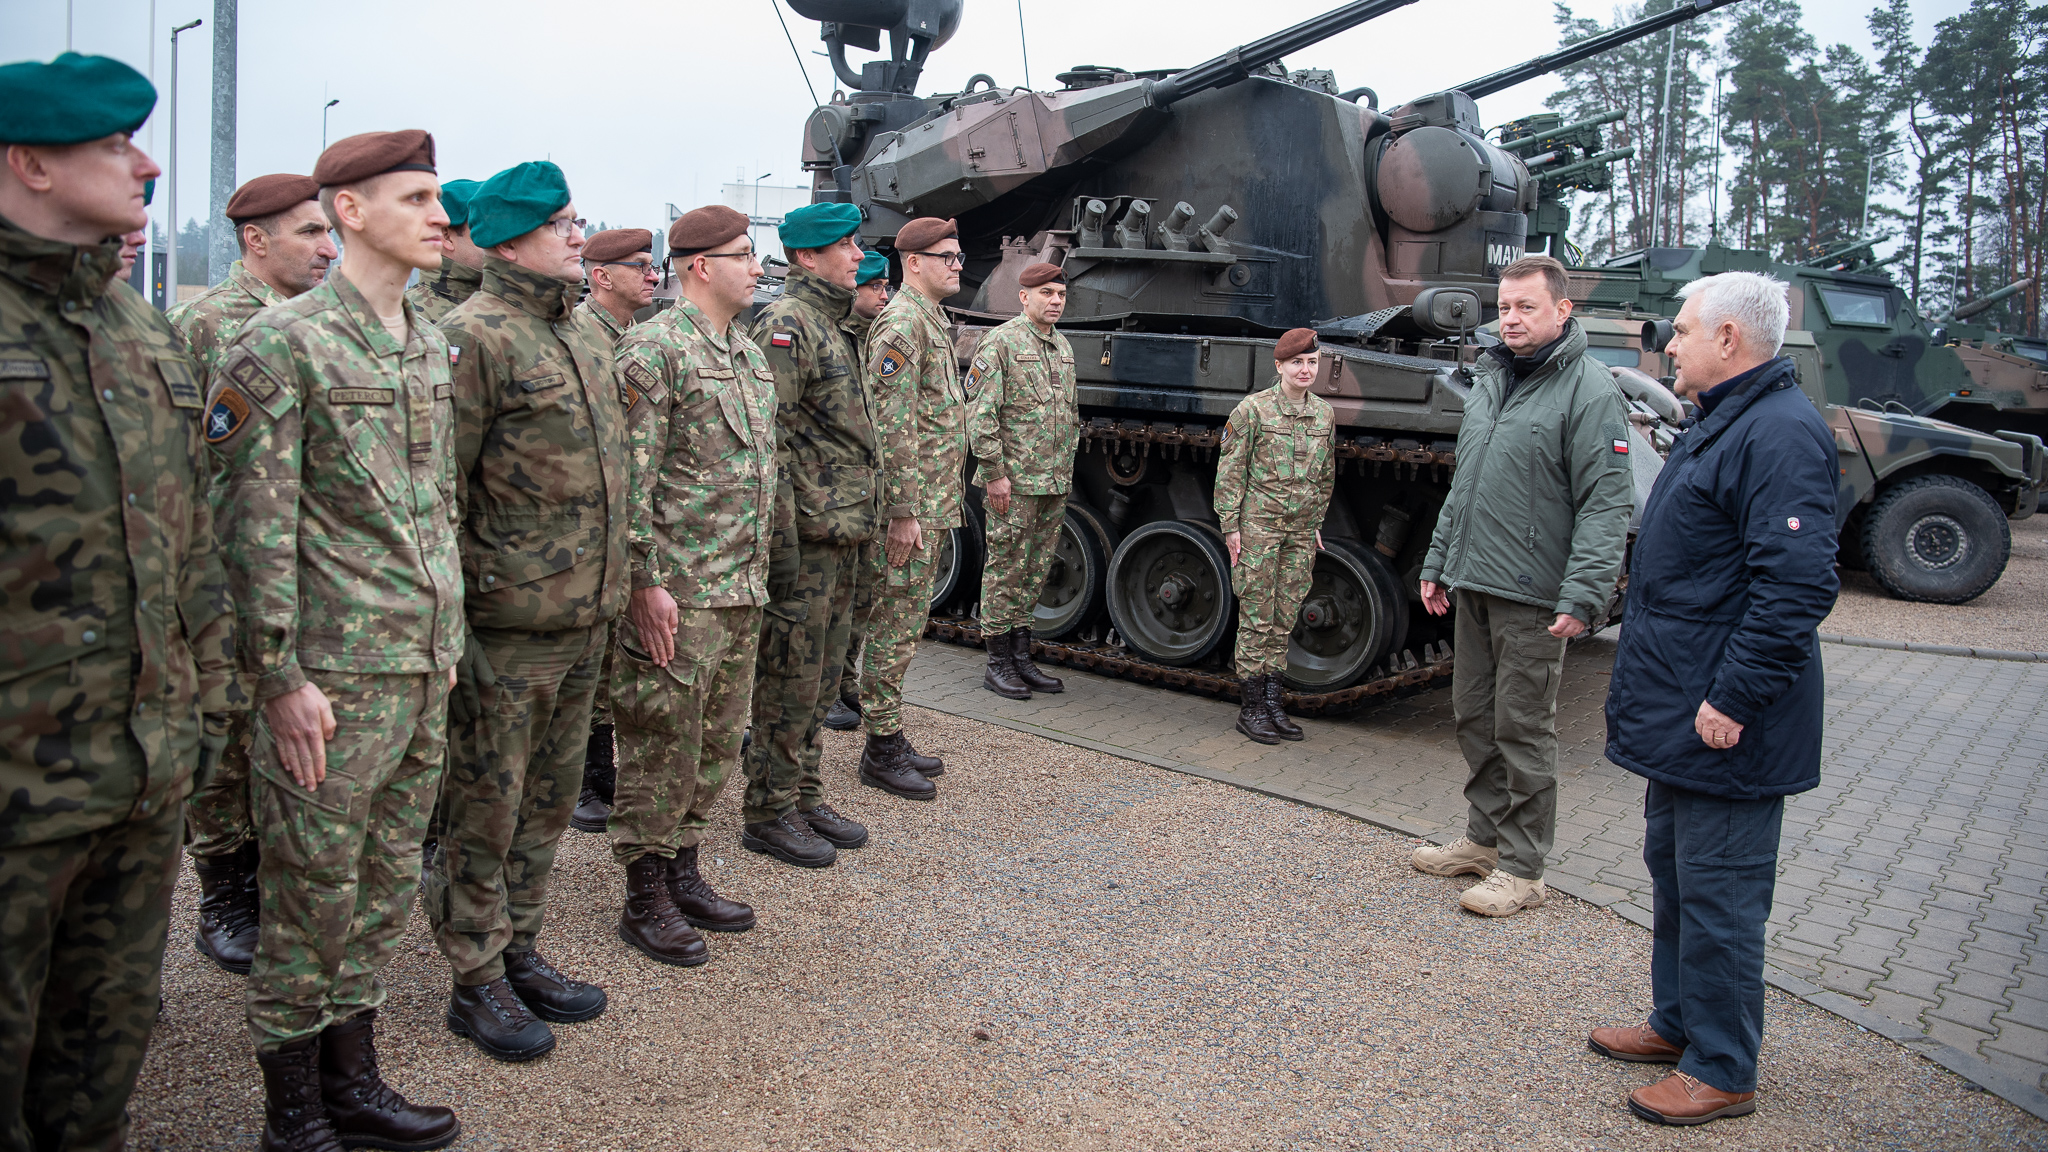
x=1459 y=857
x=1502 y=894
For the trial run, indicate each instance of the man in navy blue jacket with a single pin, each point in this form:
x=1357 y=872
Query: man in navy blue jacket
x=1717 y=690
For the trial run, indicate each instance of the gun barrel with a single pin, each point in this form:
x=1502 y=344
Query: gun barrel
x=1573 y=53
x=1239 y=62
x=1589 y=162
x=1985 y=303
x=1840 y=253
x=1528 y=142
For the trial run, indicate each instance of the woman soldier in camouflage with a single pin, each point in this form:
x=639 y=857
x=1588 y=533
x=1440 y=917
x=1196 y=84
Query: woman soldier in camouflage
x=1272 y=488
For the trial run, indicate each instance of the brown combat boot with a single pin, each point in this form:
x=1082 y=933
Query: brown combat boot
x=885 y=763
x=1252 y=717
x=1001 y=677
x=1287 y=729
x=1028 y=672
x=294 y=1116
x=652 y=922
x=929 y=766
x=367 y=1112
x=696 y=900
x=228 y=908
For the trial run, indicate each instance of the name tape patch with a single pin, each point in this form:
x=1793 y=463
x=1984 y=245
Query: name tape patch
x=360 y=395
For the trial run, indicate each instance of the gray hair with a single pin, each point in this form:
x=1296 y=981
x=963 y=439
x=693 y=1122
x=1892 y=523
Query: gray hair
x=1756 y=303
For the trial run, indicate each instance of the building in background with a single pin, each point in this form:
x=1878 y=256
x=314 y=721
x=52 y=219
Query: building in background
x=765 y=205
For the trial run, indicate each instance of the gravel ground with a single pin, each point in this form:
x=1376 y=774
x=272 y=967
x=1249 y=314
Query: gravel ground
x=1073 y=951
x=2013 y=614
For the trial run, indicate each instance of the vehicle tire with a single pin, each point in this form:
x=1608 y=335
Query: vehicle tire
x=1071 y=600
x=1353 y=615
x=1936 y=539
x=1169 y=592
x=956 y=576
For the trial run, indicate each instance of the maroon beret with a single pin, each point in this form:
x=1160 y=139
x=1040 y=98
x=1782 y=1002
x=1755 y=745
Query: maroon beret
x=356 y=158
x=617 y=244
x=1297 y=342
x=1041 y=274
x=702 y=228
x=269 y=195
x=924 y=232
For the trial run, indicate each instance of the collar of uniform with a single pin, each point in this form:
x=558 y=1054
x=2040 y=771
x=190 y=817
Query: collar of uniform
x=803 y=284
x=76 y=274
x=455 y=281
x=1289 y=407
x=1049 y=339
x=1568 y=346
x=254 y=285
x=857 y=325
x=611 y=325
x=701 y=324
x=542 y=297
x=370 y=328
x=926 y=305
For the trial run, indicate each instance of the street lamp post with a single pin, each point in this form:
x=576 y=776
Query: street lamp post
x=1869 y=170
x=323 y=121
x=757 y=206
x=171 y=193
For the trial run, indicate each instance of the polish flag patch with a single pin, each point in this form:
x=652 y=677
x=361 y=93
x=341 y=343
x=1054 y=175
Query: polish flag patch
x=1621 y=447
x=782 y=340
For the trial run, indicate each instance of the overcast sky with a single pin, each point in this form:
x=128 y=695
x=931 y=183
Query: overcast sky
x=644 y=102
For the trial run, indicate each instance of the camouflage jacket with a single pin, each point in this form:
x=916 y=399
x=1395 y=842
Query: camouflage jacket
x=1277 y=464
x=540 y=456
x=209 y=321
x=115 y=629
x=829 y=452
x=338 y=520
x=702 y=411
x=612 y=329
x=859 y=327
x=1026 y=417
x=921 y=410
x=439 y=292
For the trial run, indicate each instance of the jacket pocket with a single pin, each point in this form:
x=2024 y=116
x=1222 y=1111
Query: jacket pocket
x=505 y=552
x=835 y=504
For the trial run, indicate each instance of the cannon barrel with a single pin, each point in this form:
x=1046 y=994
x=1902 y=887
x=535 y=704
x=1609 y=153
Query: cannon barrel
x=1984 y=304
x=1573 y=53
x=1588 y=162
x=1240 y=62
x=1529 y=142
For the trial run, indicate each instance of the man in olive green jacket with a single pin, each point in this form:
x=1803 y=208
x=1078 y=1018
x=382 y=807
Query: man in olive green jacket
x=1530 y=544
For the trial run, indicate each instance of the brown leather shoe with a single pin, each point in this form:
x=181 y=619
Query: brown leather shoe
x=1001 y=677
x=294 y=1116
x=1277 y=714
x=789 y=839
x=884 y=765
x=651 y=921
x=1020 y=662
x=367 y=1112
x=833 y=828
x=550 y=995
x=1637 y=1045
x=699 y=904
x=228 y=917
x=1680 y=1099
x=1252 y=719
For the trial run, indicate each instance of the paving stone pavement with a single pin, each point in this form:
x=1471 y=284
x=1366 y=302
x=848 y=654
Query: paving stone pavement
x=1910 y=884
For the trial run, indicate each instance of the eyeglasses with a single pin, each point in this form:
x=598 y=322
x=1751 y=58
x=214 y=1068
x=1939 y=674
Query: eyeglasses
x=949 y=259
x=641 y=266
x=564 y=227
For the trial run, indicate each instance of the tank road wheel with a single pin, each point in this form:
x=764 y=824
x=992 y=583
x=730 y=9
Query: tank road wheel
x=1353 y=615
x=1938 y=539
x=1169 y=592
x=1072 y=597
x=956 y=575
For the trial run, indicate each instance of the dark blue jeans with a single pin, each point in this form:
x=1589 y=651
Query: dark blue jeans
x=1714 y=863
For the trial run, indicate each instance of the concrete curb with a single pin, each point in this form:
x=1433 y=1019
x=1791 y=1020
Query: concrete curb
x=1970 y=1068
x=1936 y=649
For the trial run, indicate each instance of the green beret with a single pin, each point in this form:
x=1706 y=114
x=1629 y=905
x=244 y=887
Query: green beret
x=71 y=99
x=873 y=266
x=455 y=198
x=816 y=225
x=148 y=191
x=515 y=202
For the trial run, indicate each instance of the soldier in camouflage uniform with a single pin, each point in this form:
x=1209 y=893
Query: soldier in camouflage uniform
x=922 y=417
x=115 y=618
x=619 y=264
x=540 y=460
x=331 y=415
x=285 y=251
x=1025 y=425
x=827 y=457
x=1273 y=482
x=462 y=265
x=704 y=515
x=870 y=296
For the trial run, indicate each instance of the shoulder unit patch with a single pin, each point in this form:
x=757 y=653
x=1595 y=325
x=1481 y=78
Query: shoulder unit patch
x=229 y=412
x=892 y=362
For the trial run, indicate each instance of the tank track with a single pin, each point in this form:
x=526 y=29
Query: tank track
x=1409 y=675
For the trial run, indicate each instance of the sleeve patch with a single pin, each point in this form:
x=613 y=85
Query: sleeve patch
x=229 y=412
x=892 y=362
x=177 y=374
x=1617 y=436
x=782 y=340
x=641 y=377
x=251 y=377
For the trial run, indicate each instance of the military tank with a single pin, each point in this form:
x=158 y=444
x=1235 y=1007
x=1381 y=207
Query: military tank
x=1198 y=213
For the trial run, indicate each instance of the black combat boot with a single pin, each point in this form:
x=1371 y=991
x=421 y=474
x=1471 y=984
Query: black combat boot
x=600 y=777
x=885 y=764
x=789 y=839
x=367 y=1112
x=495 y=1019
x=841 y=832
x=844 y=715
x=550 y=995
x=1252 y=718
x=698 y=902
x=228 y=917
x=1287 y=729
x=294 y=1117
x=652 y=922
x=1028 y=672
x=1001 y=677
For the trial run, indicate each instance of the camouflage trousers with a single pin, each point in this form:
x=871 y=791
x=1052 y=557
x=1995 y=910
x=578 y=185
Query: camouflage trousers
x=217 y=813
x=864 y=590
x=679 y=729
x=514 y=776
x=1271 y=580
x=82 y=927
x=1020 y=552
x=601 y=708
x=803 y=641
x=341 y=862
x=903 y=602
